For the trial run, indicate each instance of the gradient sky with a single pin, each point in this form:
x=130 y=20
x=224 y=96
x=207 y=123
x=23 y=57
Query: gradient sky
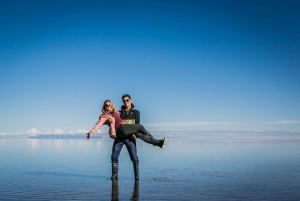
x=188 y=65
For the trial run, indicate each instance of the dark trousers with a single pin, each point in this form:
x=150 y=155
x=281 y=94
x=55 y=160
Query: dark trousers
x=131 y=148
x=128 y=129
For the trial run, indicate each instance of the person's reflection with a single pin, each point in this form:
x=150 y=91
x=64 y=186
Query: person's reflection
x=115 y=190
x=135 y=194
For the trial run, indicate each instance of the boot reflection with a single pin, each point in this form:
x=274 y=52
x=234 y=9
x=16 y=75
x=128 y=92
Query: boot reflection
x=114 y=190
x=135 y=195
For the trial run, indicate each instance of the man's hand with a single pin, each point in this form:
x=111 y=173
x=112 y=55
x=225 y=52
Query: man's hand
x=133 y=136
x=108 y=122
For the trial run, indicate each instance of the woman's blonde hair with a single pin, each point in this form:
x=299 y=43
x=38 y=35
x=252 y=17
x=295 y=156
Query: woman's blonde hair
x=113 y=108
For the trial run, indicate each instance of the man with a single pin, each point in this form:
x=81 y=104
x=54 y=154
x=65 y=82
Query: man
x=130 y=116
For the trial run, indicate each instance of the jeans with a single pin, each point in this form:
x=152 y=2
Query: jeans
x=131 y=148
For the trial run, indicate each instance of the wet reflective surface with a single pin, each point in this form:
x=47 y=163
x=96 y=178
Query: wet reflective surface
x=191 y=167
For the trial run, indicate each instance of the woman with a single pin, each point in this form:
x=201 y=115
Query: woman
x=118 y=126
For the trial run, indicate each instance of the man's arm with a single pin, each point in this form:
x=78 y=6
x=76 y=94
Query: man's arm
x=137 y=117
x=136 y=121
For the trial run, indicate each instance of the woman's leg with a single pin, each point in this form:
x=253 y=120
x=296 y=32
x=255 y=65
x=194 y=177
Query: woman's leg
x=147 y=138
x=140 y=132
x=129 y=129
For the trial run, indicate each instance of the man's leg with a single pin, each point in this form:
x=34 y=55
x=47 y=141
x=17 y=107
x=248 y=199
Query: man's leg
x=131 y=148
x=116 y=149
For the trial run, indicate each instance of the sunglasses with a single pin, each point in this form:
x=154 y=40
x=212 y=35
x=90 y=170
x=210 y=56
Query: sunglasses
x=126 y=100
x=107 y=105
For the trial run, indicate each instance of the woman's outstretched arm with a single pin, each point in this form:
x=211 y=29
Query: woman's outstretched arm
x=103 y=118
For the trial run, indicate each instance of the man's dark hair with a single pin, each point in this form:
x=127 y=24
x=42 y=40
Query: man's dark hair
x=126 y=95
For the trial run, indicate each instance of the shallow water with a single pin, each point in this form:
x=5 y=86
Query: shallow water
x=193 y=166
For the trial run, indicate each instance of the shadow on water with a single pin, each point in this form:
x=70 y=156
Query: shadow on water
x=115 y=190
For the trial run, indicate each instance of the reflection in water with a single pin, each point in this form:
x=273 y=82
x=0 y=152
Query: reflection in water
x=135 y=194
x=57 y=142
x=33 y=144
x=190 y=168
x=115 y=190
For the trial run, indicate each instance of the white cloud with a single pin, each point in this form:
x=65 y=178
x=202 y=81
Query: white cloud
x=78 y=131
x=285 y=122
x=33 y=131
x=58 y=131
x=197 y=123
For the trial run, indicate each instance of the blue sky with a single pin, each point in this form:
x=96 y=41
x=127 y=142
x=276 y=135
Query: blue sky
x=188 y=65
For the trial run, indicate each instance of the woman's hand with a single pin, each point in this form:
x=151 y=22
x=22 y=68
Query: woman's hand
x=113 y=136
x=88 y=135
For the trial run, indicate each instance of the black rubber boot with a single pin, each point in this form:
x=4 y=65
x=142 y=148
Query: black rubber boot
x=114 y=170
x=136 y=171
